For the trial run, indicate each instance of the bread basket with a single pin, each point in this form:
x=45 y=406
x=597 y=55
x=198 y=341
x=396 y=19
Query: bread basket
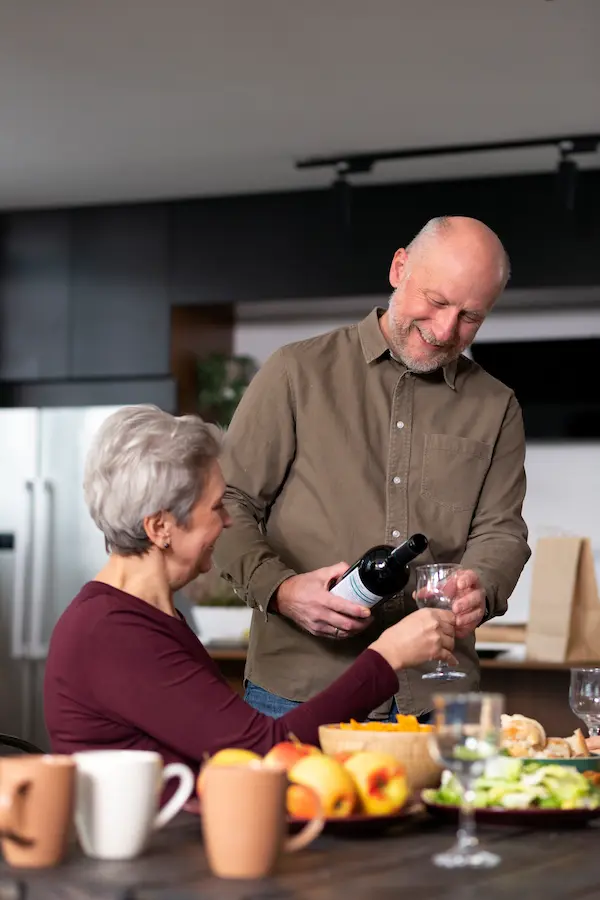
x=410 y=748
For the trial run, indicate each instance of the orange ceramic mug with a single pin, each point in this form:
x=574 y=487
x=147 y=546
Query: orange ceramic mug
x=244 y=820
x=36 y=808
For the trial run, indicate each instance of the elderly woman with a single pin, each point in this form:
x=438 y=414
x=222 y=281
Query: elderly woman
x=124 y=669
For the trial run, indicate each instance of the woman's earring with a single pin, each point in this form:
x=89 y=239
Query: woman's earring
x=166 y=545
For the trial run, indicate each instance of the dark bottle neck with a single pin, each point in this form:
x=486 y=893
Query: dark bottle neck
x=402 y=555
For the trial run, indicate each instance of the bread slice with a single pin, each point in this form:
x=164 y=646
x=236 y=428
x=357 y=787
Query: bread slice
x=556 y=748
x=577 y=744
x=522 y=736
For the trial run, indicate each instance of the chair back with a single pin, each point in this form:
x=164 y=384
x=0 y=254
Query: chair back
x=11 y=745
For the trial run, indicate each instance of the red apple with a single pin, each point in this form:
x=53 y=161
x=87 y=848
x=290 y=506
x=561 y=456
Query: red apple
x=287 y=753
x=302 y=802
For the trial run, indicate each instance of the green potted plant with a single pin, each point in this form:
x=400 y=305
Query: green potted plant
x=222 y=381
x=219 y=614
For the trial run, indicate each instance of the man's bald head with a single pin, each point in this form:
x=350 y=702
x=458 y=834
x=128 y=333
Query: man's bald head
x=462 y=234
x=445 y=283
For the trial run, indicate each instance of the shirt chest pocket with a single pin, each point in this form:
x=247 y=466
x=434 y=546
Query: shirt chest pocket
x=454 y=469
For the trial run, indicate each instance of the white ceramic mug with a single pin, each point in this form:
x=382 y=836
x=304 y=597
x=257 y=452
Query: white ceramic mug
x=117 y=797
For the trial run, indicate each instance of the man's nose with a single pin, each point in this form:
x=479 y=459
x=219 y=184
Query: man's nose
x=445 y=325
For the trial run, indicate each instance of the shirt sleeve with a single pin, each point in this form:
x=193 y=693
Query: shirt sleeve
x=260 y=447
x=147 y=678
x=497 y=547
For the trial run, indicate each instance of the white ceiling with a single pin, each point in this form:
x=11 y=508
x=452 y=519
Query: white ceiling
x=106 y=100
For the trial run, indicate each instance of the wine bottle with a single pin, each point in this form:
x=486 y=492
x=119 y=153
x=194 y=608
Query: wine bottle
x=380 y=573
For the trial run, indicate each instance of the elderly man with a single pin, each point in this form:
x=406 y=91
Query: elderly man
x=363 y=436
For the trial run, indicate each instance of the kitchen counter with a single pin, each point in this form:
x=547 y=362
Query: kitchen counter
x=237 y=653
x=532 y=688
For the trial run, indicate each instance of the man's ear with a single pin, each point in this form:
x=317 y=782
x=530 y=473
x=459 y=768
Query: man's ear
x=398 y=267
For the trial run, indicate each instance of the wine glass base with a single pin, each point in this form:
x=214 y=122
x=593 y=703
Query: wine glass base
x=466 y=859
x=445 y=675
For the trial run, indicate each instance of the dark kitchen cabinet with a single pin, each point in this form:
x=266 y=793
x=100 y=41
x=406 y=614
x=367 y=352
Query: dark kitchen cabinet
x=120 y=313
x=258 y=247
x=34 y=296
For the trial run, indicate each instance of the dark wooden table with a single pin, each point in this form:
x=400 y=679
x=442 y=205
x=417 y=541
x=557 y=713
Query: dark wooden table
x=536 y=864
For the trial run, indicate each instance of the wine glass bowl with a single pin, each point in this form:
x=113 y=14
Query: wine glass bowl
x=584 y=697
x=436 y=589
x=467 y=734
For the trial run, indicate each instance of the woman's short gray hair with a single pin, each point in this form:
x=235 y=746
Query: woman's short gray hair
x=143 y=461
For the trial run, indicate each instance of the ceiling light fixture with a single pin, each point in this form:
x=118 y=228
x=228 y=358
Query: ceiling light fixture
x=361 y=163
x=347 y=164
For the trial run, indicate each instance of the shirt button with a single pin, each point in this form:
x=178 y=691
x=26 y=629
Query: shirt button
x=395 y=533
x=396 y=479
x=399 y=424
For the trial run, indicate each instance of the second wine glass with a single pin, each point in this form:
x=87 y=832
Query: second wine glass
x=436 y=587
x=584 y=697
x=466 y=736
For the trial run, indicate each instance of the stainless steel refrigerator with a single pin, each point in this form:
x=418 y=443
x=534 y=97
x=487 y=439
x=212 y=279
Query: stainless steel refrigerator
x=49 y=547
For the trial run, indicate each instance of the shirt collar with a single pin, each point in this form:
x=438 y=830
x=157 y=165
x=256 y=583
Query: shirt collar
x=375 y=346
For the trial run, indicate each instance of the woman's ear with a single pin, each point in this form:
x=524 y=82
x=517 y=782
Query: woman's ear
x=158 y=528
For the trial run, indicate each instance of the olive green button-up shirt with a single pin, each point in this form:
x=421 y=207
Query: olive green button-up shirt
x=336 y=447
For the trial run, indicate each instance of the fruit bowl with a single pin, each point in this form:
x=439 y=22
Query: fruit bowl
x=360 y=824
x=410 y=748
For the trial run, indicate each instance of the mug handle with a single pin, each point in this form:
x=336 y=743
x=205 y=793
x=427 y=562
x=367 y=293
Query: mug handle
x=311 y=830
x=181 y=795
x=8 y=791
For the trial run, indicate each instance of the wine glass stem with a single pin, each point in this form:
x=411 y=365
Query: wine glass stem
x=594 y=730
x=467 y=836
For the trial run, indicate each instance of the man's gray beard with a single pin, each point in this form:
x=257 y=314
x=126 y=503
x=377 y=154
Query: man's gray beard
x=420 y=368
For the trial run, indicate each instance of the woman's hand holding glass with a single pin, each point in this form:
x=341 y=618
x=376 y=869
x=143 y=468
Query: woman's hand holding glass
x=425 y=635
x=437 y=588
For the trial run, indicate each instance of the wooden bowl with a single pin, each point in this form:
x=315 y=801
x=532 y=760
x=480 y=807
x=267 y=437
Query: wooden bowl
x=411 y=748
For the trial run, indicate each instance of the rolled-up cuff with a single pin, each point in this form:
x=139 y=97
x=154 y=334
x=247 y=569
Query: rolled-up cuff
x=265 y=580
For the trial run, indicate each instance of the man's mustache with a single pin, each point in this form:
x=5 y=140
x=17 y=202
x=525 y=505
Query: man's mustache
x=443 y=345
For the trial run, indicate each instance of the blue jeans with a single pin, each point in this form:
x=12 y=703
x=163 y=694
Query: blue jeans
x=265 y=702
x=275 y=706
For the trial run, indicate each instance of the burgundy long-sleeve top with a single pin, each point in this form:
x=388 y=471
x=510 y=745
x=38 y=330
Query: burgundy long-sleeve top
x=120 y=673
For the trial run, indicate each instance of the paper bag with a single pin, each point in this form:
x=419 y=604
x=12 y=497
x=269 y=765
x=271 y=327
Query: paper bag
x=564 y=618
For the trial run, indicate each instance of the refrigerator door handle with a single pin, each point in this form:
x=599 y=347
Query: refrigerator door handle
x=19 y=649
x=41 y=571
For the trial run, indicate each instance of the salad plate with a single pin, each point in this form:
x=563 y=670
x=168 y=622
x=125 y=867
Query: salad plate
x=520 y=793
x=581 y=763
x=533 y=817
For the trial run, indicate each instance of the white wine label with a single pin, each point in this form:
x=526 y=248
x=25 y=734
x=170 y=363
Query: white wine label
x=352 y=588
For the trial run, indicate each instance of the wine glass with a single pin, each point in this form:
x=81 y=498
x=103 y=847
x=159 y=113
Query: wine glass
x=584 y=697
x=436 y=587
x=467 y=734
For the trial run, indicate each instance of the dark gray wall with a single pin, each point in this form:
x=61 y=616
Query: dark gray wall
x=86 y=294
